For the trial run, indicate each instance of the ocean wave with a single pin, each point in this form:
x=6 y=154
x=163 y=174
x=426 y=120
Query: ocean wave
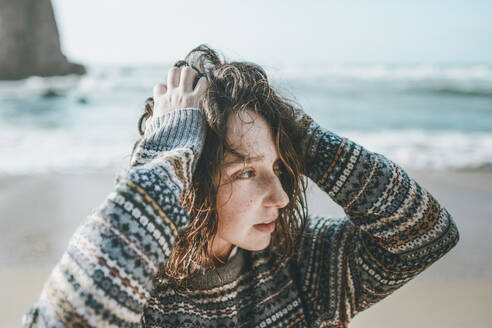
x=386 y=72
x=453 y=91
x=41 y=151
x=445 y=80
x=424 y=150
x=100 y=80
x=466 y=80
x=40 y=134
x=33 y=151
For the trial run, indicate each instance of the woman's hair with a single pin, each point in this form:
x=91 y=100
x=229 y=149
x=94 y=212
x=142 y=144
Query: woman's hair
x=234 y=87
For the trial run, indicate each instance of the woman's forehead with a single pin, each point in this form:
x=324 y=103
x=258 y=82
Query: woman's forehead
x=249 y=133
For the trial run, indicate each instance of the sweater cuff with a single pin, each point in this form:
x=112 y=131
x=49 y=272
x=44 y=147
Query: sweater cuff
x=312 y=141
x=182 y=128
x=311 y=134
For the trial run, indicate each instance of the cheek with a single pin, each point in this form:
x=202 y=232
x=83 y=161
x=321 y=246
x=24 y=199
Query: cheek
x=235 y=206
x=239 y=210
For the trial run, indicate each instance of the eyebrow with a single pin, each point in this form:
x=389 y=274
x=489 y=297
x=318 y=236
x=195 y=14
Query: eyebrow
x=241 y=158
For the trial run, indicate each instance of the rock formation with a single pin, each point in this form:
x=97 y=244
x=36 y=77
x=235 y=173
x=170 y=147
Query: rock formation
x=29 y=41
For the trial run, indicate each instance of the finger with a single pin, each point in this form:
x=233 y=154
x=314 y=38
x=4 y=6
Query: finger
x=187 y=77
x=201 y=86
x=173 y=77
x=159 y=90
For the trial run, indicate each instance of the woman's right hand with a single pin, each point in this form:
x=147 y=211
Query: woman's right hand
x=179 y=91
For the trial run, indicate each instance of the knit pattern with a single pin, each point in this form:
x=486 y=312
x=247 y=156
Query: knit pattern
x=392 y=231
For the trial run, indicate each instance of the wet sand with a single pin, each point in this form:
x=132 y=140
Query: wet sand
x=40 y=212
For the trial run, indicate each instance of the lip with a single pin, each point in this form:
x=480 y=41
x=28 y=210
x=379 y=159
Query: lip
x=264 y=227
x=269 y=219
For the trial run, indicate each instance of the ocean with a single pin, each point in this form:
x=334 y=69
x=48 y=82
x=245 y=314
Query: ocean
x=423 y=117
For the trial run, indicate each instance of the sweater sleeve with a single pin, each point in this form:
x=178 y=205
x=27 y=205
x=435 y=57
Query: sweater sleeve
x=392 y=231
x=105 y=276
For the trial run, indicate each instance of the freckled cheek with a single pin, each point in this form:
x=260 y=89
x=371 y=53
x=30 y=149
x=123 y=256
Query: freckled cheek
x=237 y=205
x=246 y=198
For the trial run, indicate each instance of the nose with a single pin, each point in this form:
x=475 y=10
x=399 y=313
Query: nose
x=275 y=195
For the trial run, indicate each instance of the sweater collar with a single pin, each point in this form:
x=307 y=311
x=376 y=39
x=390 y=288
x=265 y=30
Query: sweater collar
x=223 y=274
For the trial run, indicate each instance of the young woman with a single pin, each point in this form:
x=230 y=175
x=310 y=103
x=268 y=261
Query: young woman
x=209 y=228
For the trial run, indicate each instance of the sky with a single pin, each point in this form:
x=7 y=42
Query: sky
x=271 y=31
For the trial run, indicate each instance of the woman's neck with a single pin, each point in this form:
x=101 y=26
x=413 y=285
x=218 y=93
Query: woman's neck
x=221 y=250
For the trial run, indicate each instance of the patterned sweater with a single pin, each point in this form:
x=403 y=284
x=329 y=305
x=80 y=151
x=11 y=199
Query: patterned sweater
x=392 y=231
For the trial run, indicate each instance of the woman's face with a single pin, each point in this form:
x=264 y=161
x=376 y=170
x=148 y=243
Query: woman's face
x=250 y=194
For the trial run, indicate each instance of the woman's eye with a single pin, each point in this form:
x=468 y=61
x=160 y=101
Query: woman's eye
x=246 y=174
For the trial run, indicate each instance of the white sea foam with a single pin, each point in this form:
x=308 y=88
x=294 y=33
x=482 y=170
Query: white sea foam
x=460 y=79
x=92 y=124
x=386 y=71
x=39 y=151
x=428 y=150
x=111 y=79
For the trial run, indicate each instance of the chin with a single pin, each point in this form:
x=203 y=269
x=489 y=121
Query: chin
x=258 y=245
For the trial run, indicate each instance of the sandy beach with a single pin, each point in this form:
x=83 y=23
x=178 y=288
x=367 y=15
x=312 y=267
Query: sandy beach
x=40 y=212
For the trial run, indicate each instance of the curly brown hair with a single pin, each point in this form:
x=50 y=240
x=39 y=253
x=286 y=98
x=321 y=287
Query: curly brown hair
x=235 y=87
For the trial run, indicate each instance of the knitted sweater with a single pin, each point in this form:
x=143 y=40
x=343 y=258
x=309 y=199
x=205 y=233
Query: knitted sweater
x=392 y=231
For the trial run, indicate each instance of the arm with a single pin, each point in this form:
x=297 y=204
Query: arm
x=394 y=228
x=106 y=275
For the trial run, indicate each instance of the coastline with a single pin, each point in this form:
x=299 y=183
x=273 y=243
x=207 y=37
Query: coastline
x=40 y=212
